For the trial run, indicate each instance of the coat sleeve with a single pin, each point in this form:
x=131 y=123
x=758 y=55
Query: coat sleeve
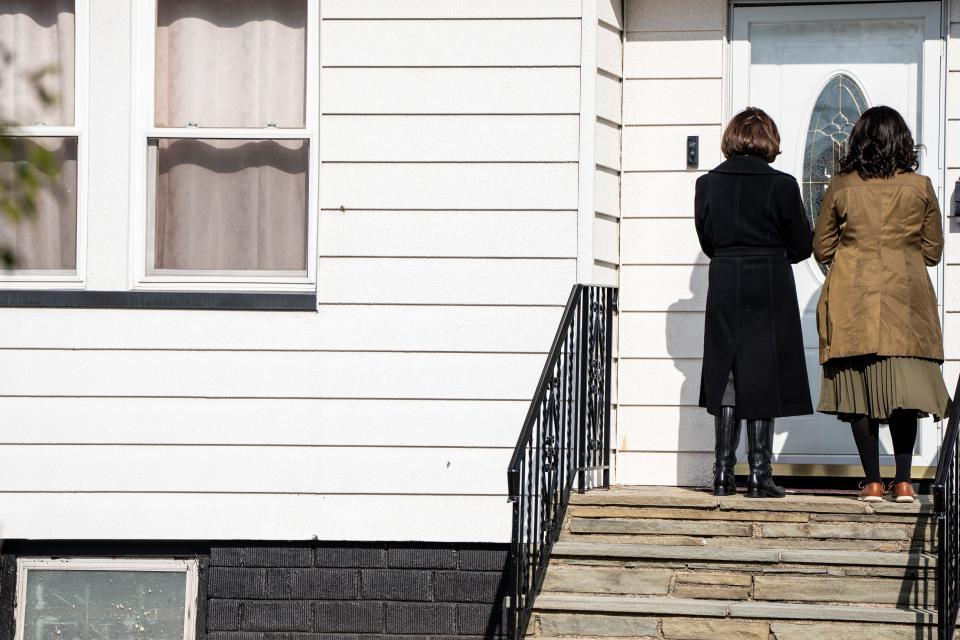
x=793 y=220
x=931 y=237
x=701 y=215
x=826 y=235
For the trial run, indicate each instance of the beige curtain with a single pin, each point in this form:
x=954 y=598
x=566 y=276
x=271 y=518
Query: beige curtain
x=47 y=240
x=231 y=204
x=37 y=35
x=231 y=63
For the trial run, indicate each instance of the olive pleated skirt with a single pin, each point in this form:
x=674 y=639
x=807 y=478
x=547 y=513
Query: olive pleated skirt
x=876 y=386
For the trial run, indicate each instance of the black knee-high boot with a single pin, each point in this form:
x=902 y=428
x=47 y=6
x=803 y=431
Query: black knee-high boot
x=727 y=429
x=760 y=483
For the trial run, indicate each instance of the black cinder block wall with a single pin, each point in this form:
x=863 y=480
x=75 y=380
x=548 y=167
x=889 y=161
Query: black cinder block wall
x=338 y=591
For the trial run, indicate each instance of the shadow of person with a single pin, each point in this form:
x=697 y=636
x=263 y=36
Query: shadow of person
x=684 y=341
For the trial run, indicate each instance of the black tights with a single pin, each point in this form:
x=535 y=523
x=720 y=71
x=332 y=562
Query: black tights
x=903 y=430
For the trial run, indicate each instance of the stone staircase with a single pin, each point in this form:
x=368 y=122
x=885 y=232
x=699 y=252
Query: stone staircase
x=679 y=564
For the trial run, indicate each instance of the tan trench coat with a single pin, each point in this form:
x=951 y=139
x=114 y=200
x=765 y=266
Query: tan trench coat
x=878 y=236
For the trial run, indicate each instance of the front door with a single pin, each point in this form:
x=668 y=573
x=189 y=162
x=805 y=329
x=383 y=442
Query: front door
x=814 y=69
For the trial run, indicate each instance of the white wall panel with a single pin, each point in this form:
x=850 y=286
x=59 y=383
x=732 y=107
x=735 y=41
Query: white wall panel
x=454 y=281
x=951 y=298
x=608 y=145
x=488 y=234
x=951 y=335
x=459 y=91
x=663 y=468
x=953 y=150
x=609 y=98
x=418 y=186
x=674 y=54
x=663 y=288
x=215 y=516
x=443 y=43
x=660 y=334
x=610 y=12
x=661 y=149
x=339 y=327
x=686 y=101
x=660 y=382
x=241 y=374
x=441 y=9
x=449 y=138
x=610 y=51
x=607 y=192
x=663 y=15
x=262 y=422
x=660 y=241
x=658 y=194
x=669 y=429
x=606 y=236
x=244 y=469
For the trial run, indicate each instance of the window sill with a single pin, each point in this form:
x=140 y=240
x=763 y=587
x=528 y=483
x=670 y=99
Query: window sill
x=212 y=300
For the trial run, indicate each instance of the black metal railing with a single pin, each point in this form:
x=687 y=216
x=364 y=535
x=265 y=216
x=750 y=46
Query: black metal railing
x=565 y=440
x=946 y=500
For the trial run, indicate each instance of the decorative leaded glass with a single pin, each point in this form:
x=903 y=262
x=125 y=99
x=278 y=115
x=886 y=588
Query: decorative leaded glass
x=836 y=110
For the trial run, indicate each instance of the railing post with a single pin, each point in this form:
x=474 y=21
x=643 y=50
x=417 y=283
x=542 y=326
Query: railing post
x=609 y=308
x=583 y=373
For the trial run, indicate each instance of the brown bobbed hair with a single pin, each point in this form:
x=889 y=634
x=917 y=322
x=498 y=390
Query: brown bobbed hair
x=880 y=145
x=751 y=133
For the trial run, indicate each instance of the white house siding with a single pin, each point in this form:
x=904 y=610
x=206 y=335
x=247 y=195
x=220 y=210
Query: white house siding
x=447 y=245
x=606 y=225
x=672 y=88
x=951 y=331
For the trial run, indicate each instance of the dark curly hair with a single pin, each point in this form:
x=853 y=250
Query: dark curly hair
x=880 y=145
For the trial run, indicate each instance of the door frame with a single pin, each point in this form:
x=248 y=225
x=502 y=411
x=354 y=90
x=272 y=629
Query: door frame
x=935 y=15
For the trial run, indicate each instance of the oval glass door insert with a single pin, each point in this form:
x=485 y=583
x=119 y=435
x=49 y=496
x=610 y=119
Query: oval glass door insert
x=835 y=111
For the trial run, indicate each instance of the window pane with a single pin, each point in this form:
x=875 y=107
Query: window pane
x=47 y=239
x=104 y=605
x=231 y=63
x=38 y=37
x=230 y=205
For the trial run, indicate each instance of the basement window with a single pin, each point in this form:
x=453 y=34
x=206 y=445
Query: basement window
x=105 y=599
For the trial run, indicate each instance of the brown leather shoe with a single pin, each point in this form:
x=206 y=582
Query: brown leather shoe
x=903 y=492
x=871 y=492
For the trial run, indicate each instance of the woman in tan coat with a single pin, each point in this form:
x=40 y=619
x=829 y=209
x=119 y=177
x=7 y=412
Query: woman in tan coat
x=880 y=340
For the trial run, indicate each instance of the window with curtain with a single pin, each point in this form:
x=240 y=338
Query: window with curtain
x=38 y=47
x=229 y=145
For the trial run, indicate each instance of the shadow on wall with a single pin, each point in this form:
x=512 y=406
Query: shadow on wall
x=684 y=339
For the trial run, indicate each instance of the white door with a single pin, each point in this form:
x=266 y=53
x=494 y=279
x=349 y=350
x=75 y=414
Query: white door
x=814 y=69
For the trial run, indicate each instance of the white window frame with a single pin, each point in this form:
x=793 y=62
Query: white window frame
x=170 y=565
x=37 y=279
x=143 y=52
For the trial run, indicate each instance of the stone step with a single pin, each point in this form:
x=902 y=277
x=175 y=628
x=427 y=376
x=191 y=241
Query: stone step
x=650 y=625
x=571 y=548
x=667 y=607
x=784 y=584
x=734 y=542
x=674 y=497
x=885 y=531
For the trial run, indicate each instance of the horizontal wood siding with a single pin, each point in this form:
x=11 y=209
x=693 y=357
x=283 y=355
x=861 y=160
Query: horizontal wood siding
x=607 y=179
x=951 y=329
x=447 y=247
x=672 y=88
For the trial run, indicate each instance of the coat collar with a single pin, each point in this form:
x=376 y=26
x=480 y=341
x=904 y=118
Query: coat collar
x=745 y=165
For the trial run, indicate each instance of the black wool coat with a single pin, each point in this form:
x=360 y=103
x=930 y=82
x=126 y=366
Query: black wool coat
x=751 y=224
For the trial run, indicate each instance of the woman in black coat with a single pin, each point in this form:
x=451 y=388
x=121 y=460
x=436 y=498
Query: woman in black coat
x=751 y=224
